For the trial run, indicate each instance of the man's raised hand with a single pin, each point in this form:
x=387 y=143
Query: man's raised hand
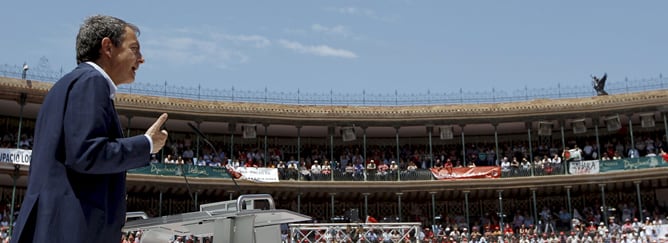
x=156 y=134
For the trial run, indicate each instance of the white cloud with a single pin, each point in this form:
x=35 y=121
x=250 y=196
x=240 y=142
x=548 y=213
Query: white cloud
x=293 y=31
x=255 y=40
x=184 y=46
x=356 y=11
x=360 y=12
x=224 y=50
x=336 y=30
x=189 y=51
x=320 y=50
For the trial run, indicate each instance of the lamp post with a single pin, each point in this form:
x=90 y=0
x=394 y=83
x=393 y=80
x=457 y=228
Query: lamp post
x=16 y=174
x=25 y=71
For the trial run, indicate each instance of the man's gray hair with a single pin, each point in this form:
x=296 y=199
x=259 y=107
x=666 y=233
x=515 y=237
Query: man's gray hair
x=96 y=28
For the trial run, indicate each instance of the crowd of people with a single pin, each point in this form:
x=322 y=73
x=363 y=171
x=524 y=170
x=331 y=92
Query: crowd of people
x=515 y=158
x=553 y=224
x=561 y=226
x=317 y=161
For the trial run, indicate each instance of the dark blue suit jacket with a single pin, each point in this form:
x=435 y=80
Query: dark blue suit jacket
x=76 y=189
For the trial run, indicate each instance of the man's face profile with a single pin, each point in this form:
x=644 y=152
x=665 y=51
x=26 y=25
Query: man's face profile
x=125 y=58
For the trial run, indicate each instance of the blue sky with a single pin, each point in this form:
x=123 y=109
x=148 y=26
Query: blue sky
x=349 y=46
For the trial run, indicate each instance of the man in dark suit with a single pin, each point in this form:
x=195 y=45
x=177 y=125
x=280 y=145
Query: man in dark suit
x=76 y=189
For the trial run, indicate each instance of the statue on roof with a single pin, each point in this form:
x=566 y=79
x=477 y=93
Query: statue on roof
x=599 y=84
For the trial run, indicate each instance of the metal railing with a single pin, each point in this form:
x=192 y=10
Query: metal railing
x=353 y=232
x=364 y=98
x=366 y=175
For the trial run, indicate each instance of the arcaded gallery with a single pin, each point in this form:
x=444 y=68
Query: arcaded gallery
x=470 y=162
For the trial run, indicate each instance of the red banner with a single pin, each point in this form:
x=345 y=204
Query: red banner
x=467 y=173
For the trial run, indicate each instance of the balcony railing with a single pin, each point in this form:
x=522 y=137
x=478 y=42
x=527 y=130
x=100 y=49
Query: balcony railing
x=569 y=168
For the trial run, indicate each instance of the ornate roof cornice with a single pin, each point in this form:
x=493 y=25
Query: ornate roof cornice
x=419 y=114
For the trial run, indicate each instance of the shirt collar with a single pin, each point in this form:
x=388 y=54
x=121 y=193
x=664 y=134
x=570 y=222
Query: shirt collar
x=112 y=85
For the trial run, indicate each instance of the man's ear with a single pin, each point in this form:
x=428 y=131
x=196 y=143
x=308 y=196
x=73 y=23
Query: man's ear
x=105 y=48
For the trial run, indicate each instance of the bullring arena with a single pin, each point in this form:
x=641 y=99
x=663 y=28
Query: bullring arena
x=518 y=171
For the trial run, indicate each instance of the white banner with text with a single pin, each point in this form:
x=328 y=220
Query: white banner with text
x=258 y=174
x=15 y=156
x=583 y=167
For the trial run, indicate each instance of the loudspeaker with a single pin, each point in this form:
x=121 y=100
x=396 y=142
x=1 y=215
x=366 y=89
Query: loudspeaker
x=249 y=131
x=348 y=134
x=579 y=126
x=544 y=128
x=446 y=132
x=613 y=123
x=647 y=120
